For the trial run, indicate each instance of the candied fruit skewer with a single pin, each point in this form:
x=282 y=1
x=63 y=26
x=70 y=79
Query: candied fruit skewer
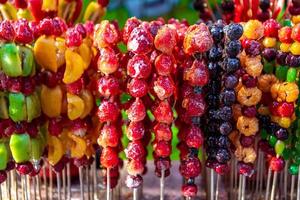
x=294 y=11
x=248 y=96
x=197 y=40
x=163 y=86
x=108 y=88
x=139 y=40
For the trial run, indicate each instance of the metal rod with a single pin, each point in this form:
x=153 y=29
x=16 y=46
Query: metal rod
x=45 y=182
x=38 y=182
x=64 y=183
x=69 y=181
x=292 y=187
x=81 y=183
x=88 y=181
x=34 y=188
x=298 y=185
x=58 y=186
x=240 y=187
x=135 y=194
x=212 y=184
x=268 y=184
x=243 y=187
x=162 y=184
x=94 y=175
x=51 y=182
x=218 y=186
x=273 y=192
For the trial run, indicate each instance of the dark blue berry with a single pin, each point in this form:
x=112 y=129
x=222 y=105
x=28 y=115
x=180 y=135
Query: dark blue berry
x=228 y=97
x=225 y=113
x=225 y=128
x=230 y=81
x=282 y=134
x=217 y=33
x=215 y=54
x=233 y=48
x=280 y=57
x=223 y=142
x=231 y=65
x=234 y=31
x=214 y=70
x=223 y=155
x=269 y=54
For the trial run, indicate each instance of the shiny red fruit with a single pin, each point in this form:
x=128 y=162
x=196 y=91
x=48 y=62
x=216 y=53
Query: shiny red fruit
x=162 y=148
x=135 y=131
x=164 y=64
x=194 y=137
x=7 y=31
x=137 y=88
x=163 y=87
x=20 y=4
x=75 y=87
x=139 y=66
x=189 y=190
x=271 y=28
x=3 y=176
x=108 y=86
x=166 y=39
x=23 y=32
x=73 y=38
x=103 y=3
x=109 y=136
x=163 y=112
x=137 y=111
x=194 y=105
x=24 y=168
x=54 y=127
x=190 y=168
x=296 y=33
x=197 y=75
x=130 y=24
x=162 y=132
x=109 y=157
x=221 y=168
x=135 y=167
x=140 y=41
x=135 y=150
x=284 y=34
x=46 y=27
x=108 y=111
x=285 y=109
x=277 y=164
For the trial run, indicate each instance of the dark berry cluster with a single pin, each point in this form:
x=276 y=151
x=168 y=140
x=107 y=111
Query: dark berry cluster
x=201 y=7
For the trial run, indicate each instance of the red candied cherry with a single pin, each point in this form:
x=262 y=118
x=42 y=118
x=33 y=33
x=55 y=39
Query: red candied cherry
x=81 y=29
x=189 y=190
x=296 y=33
x=194 y=137
x=249 y=111
x=139 y=66
x=162 y=132
x=15 y=84
x=135 y=167
x=221 y=168
x=59 y=26
x=75 y=87
x=34 y=26
x=162 y=163
x=28 y=86
x=166 y=39
x=106 y=34
x=24 y=168
x=103 y=3
x=247 y=141
x=140 y=41
x=162 y=148
x=194 y=105
x=135 y=131
x=89 y=27
x=190 y=168
x=109 y=157
x=164 y=64
x=210 y=163
x=32 y=129
x=277 y=164
x=271 y=28
x=197 y=75
x=249 y=81
x=78 y=127
x=73 y=38
x=46 y=26
x=20 y=4
x=109 y=136
x=21 y=127
x=284 y=34
x=3 y=176
x=7 y=31
x=10 y=165
x=137 y=111
x=49 y=78
x=3 y=81
x=138 y=88
x=135 y=150
x=130 y=24
x=246 y=169
x=133 y=181
x=23 y=32
x=163 y=87
x=163 y=112
x=186 y=90
x=108 y=111
x=285 y=109
x=197 y=39
x=54 y=127
x=108 y=86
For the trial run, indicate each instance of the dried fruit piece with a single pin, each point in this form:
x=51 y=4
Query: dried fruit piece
x=249 y=96
x=247 y=126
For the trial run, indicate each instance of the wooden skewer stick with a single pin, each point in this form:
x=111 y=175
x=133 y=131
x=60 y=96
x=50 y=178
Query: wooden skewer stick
x=298 y=185
x=45 y=182
x=212 y=184
x=268 y=184
x=81 y=183
x=292 y=187
x=135 y=194
x=69 y=181
x=58 y=185
x=162 y=184
x=64 y=183
x=274 y=185
x=218 y=186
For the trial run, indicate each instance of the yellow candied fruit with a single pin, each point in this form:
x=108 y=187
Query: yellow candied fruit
x=269 y=42
x=295 y=48
x=253 y=29
x=285 y=47
x=284 y=122
x=296 y=19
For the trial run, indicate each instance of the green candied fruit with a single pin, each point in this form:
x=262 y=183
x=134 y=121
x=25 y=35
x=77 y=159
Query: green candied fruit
x=286 y=154
x=268 y=67
x=272 y=140
x=291 y=74
x=293 y=169
x=287 y=22
x=263 y=134
x=281 y=72
x=279 y=147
